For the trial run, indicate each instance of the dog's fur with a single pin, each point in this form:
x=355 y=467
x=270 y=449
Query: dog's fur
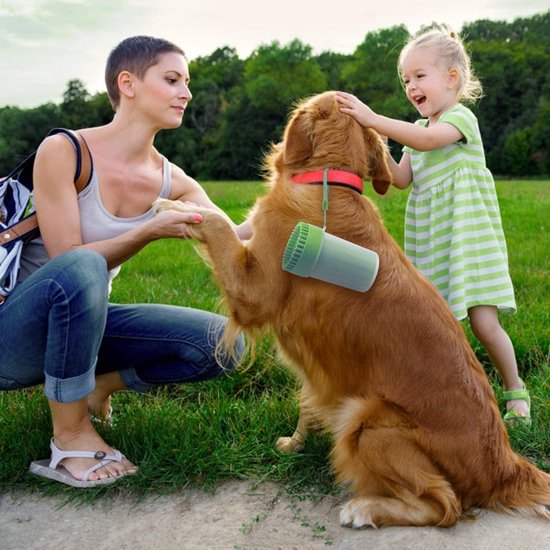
x=417 y=432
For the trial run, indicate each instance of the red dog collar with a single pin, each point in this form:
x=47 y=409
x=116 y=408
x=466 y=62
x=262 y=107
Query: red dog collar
x=334 y=177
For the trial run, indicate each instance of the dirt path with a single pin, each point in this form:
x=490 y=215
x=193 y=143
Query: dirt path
x=238 y=516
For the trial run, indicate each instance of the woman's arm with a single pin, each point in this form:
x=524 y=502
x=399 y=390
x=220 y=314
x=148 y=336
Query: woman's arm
x=58 y=214
x=186 y=189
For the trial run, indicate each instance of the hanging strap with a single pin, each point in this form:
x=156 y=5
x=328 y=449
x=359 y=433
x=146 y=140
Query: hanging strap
x=84 y=161
x=325 y=198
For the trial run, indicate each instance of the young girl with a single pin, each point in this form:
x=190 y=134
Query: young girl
x=58 y=327
x=453 y=231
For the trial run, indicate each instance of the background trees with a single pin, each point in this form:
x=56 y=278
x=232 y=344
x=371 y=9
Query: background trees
x=513 y=63
x=240 y=106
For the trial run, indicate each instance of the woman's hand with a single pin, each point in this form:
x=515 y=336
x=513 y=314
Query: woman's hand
x=173 y=224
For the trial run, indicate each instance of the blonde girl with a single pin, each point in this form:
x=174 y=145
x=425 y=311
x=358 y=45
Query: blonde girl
x=453 y=230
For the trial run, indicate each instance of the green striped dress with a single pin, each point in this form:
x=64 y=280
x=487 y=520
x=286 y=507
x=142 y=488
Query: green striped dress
x=453 y=230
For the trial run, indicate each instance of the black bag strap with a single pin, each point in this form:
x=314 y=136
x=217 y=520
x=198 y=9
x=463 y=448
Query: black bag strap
x=84 y=162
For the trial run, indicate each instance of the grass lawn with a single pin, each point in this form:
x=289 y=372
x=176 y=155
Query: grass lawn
x=203 y=433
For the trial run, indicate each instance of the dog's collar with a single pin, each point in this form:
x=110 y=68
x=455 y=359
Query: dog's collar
x=334 y=177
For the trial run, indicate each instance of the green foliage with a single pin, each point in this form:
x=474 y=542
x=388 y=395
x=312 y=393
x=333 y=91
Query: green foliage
x=240 y=106
x=372 y=72
x=518 y=153
x=514 y=76
x=332 y=65
x=540 y=136
x=276 y=76
x=22 y=130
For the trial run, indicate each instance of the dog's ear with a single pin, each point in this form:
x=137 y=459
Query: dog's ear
x=297 y=144
x=377 y=161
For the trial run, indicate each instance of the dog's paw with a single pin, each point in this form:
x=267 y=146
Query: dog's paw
x=356 y=513
x=289 y=445
x=166 y=204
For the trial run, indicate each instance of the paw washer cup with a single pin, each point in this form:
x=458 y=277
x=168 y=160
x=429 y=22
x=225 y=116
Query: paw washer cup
x=312 y=252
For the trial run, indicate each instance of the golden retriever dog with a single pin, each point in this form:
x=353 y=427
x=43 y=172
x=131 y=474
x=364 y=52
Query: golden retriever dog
x=417 y=434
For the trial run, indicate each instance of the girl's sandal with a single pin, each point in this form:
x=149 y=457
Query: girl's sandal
x=512 y=418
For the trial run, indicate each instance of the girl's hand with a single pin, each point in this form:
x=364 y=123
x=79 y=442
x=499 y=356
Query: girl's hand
x=356 y=108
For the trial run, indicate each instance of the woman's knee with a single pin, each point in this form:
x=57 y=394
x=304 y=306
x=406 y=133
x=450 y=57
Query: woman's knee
x=87 y=265
x=84 y=272
x=77 y=290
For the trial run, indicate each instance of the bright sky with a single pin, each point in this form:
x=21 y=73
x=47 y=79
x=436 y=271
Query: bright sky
x=45 y=43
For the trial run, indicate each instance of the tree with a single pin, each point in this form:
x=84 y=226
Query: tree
x=240 y=106
x=22 y=130
x=372 y=72
x=274 y=78
x=540 y=136
x=213 y=78
x=74 y=106
x=518 y=154
x=513 y=75
x=75 y=92
x=101 y=109
x=332 y=65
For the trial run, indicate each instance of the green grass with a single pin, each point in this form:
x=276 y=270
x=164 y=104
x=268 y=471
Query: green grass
x=201 y=434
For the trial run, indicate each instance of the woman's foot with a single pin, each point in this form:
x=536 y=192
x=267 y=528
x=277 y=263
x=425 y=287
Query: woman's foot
x=89 y=440
x=100 y=408
x=99 y=401
x=74 y=431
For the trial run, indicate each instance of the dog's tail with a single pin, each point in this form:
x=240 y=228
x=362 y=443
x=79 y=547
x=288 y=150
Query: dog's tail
x=526 y=492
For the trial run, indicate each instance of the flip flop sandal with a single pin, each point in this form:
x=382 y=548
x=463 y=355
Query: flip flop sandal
x=106 y=420
x=511 y=418
x=51 y=469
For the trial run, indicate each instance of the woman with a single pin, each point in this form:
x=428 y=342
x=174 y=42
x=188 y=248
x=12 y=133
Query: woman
x=58 y=327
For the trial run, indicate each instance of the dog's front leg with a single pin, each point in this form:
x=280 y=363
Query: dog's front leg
x=239 y=273
x=297 y=441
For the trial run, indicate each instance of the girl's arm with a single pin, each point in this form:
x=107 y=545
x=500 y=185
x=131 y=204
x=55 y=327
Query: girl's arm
x=402 y=172
x=414 y=136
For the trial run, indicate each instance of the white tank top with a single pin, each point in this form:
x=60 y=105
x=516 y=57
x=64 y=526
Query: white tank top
x=96 y=223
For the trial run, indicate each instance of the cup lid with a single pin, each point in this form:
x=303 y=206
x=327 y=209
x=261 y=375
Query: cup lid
x=302 y=249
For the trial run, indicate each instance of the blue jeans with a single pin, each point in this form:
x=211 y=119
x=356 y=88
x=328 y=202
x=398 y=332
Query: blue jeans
x=58 y=328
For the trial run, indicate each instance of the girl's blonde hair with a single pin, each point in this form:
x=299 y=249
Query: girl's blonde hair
x=452 y=52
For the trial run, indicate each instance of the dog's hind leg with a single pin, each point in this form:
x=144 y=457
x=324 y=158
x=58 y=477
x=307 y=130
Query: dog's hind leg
x=395 y=481
x=405 y=508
